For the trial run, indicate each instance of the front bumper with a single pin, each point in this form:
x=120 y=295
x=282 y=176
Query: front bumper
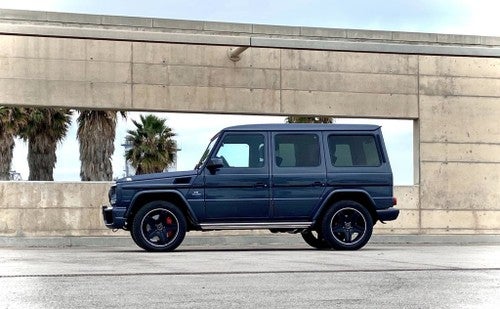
x=388 y=214
x=113 y=217
x=107 y=215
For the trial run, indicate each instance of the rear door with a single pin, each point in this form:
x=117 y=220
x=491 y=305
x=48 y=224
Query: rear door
x=298 y=174
x=357 y=161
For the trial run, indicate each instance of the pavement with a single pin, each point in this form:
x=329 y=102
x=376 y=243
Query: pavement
x=251 y=276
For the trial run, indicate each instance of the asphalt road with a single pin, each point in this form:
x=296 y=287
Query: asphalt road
x=378 y=276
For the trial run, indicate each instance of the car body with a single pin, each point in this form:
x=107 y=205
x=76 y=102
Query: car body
x=329 y=182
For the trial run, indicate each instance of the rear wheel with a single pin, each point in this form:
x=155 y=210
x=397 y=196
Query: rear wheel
x=347 y=225
x=315 y=240
x=159 y=226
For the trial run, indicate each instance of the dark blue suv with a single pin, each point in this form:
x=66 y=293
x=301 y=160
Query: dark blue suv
x=329 y=182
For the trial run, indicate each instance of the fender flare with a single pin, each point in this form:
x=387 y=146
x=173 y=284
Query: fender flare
x=326 y=201
x=189 y=210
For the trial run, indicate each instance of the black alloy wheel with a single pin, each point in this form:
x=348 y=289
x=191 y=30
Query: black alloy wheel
x=347 y=225
x=159 y=226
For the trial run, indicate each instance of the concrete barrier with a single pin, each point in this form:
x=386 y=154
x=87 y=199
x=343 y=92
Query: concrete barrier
x=45 y=209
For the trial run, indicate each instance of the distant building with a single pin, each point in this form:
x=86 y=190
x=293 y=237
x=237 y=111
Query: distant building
x=13 y=175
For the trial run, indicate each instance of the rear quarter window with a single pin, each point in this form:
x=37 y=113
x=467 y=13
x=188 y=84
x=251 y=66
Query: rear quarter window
x=353 y=150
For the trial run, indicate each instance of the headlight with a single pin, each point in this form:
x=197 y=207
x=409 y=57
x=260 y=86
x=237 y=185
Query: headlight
x=112 y=195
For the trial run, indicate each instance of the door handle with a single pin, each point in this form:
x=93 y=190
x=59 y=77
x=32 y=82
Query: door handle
x=318 y=184
x=260 y=185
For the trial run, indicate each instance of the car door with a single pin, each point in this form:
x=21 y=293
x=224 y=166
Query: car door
x=240 y=189
x=298 y=174
x=357 y=160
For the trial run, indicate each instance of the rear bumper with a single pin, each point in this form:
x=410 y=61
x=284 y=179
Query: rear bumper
x=388 y=214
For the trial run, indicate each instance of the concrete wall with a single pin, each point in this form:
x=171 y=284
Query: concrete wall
x=459 y=112
x=199 y=78
x=448 y=84
x=52 y=209
x=31 y=209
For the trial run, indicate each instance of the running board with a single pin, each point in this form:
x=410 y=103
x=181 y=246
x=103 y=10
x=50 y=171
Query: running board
x=255 y=226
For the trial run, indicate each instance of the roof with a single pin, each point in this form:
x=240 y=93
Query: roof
x=303 y=127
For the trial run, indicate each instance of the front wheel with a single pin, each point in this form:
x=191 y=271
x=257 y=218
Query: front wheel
x=315 y=240
x=347 y=225
x=159 y=226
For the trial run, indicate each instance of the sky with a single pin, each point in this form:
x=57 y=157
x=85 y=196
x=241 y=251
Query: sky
x=478 y=17
x=474 y=17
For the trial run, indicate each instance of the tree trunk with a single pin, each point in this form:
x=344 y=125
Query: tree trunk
x=6 y=153
x=96 y=134
x=96 y=165
x=41 y=158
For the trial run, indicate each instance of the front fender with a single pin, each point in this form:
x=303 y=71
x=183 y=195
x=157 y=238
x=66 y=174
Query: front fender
x=178 y=195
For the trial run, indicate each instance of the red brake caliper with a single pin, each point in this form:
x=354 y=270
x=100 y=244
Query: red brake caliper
x=169 y=221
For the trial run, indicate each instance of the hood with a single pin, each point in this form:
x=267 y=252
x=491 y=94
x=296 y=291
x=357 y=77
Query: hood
x=156 y=176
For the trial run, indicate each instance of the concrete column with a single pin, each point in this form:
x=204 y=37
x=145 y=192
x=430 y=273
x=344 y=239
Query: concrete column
x=459 y=145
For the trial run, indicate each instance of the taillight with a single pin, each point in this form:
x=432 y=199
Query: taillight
x=394 y=201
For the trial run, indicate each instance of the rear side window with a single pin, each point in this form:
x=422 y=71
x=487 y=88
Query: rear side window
x=353 y=150
x=297 y=150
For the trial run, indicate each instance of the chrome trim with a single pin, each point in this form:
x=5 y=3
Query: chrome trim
x=255 y=225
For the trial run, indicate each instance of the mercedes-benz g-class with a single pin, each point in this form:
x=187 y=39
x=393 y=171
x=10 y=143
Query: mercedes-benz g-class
x=329 y=182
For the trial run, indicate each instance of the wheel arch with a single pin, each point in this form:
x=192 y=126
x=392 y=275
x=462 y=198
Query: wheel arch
x=356 y=195
x=172 y=196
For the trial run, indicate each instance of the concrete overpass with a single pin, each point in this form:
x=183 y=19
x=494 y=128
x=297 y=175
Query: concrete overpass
x=449 y=85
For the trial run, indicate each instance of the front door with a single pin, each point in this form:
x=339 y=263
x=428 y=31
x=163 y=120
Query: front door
x=240 y=190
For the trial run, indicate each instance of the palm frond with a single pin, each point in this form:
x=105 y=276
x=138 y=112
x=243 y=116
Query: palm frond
x=153 y=149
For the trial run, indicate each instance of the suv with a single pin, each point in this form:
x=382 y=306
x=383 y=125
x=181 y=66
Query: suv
x=329 y=182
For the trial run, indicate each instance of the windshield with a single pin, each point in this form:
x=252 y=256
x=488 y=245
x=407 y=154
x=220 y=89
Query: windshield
x=207 y=152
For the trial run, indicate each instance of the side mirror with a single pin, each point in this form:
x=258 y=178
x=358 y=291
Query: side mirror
x=214 y=164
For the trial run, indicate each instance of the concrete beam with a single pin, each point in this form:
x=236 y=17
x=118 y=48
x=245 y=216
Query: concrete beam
x=392 y=48
x=122 y=35
x=159 y=24
x=139 y=29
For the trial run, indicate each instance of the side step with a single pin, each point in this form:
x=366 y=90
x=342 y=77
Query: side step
x=255 y=225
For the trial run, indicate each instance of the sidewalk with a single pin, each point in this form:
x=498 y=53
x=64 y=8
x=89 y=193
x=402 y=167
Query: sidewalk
x=245 y=240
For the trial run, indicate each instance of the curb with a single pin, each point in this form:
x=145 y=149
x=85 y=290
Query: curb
x=284 y=240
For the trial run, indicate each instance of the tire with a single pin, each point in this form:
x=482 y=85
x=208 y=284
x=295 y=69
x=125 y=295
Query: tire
x=159 y=226
x=347 y=225
x=315 y=240
x=135 y=240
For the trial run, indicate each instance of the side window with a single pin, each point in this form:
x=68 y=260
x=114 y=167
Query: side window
x=242 y=150
x=353 y=150
x=297 y=150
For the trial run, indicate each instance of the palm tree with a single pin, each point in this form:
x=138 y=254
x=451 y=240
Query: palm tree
x=45 y=127
x=309 y=119
x=11 y=119
x=96 y=134
x=153 y=149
